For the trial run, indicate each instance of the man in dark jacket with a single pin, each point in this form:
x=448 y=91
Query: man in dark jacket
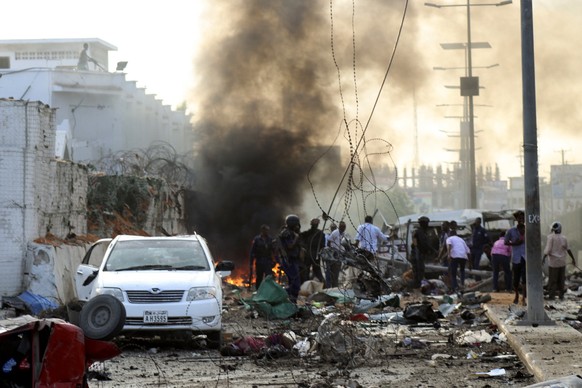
x=421 y=250
x=289 y=251
x=262 y=255
x=480 y=239
x=313 y=241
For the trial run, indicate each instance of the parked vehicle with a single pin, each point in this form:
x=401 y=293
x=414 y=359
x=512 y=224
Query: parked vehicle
x=166 y=284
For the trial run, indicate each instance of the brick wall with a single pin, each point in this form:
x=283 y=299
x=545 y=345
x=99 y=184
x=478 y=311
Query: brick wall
x=37 y=193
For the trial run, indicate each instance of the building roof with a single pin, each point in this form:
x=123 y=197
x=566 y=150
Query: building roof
x=34 y=42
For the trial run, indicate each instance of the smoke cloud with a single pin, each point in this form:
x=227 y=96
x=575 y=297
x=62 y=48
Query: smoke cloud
x=269 y=106
x=269 y=100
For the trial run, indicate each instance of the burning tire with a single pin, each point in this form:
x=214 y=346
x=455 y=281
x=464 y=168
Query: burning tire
x=102 y=317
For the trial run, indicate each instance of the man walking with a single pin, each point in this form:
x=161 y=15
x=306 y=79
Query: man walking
x=368 y=234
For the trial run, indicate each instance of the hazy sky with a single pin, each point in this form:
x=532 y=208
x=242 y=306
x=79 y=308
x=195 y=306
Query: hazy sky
x=164 y=45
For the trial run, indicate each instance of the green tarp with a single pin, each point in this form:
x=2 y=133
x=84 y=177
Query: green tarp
x=271 y=300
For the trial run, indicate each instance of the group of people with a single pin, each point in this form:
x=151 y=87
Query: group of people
x=298 y=251
x=508 y=255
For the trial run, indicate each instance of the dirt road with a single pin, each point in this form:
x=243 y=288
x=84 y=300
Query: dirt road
x=455 y=352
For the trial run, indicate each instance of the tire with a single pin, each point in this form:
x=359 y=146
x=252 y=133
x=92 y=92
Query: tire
x=214 y=339
x=102 y=317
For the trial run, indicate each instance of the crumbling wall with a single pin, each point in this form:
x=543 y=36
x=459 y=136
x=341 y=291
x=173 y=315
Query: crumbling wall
x=133 y=205
x=38 y=194
x=26 y=146
x=50 y=270
x=63 y=200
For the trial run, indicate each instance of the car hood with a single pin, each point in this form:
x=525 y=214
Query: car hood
x=145 y=280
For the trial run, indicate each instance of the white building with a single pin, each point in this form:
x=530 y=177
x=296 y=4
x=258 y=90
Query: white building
x=98 y=111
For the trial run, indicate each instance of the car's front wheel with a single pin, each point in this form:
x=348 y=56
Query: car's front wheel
x=102 y=317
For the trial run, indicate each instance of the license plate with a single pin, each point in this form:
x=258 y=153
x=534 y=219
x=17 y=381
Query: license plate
x=155 y=317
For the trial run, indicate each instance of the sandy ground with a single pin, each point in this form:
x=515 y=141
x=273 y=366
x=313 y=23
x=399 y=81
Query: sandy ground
x=384 y=355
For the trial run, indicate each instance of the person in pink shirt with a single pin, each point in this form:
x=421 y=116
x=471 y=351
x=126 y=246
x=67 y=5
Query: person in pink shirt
x=501 y=258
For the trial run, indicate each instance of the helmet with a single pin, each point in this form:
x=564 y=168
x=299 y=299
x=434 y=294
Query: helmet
x=423 y=219
x=292 y=220
x=556 y=227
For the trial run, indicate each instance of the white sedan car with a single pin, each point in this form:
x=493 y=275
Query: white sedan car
x=166 y=284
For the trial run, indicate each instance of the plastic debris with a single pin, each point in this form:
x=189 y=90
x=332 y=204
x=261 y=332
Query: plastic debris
x=471 y=337
x=492 y=373
x=420 y=312
x=364 y=305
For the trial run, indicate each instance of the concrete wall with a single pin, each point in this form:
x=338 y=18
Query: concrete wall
x=25 y=138
x=38 y=195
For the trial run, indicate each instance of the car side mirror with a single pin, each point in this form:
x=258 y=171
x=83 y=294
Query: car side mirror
x=225 y=267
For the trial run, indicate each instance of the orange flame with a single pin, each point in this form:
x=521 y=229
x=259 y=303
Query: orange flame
x=240 y=278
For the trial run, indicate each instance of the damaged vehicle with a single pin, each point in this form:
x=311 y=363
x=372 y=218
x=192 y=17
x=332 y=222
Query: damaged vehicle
x=493 y=221
x=168 y=286
x=48 y=353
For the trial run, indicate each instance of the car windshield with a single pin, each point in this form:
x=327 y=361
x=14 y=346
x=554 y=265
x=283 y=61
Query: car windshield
x=157 y=254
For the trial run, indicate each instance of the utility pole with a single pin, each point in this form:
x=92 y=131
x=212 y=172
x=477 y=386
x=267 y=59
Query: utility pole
x=562 y=151
x=470 y=88
x=535 y=314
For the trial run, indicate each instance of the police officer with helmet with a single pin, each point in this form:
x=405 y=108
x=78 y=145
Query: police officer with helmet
x=290 y=248
x=420 y=250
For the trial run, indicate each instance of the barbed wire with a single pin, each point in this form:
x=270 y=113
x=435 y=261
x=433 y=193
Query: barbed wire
x=159 y=160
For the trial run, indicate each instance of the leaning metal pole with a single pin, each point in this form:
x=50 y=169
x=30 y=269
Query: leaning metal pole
x=535 y=314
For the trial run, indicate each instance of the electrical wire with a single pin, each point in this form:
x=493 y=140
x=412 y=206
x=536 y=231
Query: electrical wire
x=354 y=167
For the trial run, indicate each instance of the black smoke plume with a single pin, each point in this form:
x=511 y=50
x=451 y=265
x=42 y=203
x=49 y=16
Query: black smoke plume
x=263 y=108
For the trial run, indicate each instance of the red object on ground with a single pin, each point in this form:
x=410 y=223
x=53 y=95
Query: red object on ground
x=48 y=353
x=359 y=318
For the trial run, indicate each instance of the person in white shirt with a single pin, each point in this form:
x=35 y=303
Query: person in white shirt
x=335 y=241
x=458 y=253
x=368 y=234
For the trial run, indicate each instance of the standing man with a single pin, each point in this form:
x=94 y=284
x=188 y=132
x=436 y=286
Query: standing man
x=84 y=58
x=421 y=250
x=313 y=240
x=479 y=240
x=458 y=253
x=262 y=254
x=335 y=241
x=556 y=249
x=289 y=251
x=368 y=234
x=515 y=238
